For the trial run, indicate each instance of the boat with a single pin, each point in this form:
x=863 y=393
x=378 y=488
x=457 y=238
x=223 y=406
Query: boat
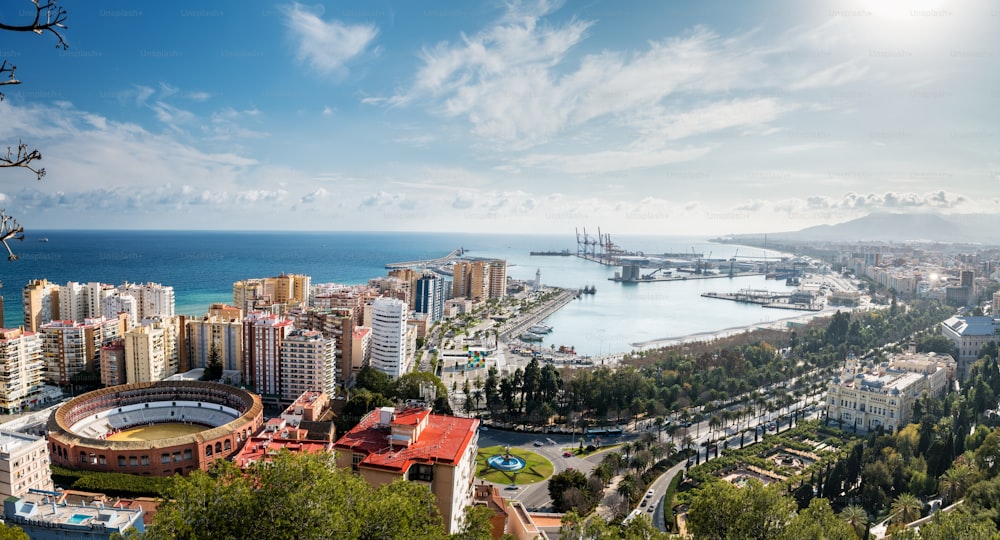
x=43 y=239
x=563 y=253
x=529 y=336
x=540 y=329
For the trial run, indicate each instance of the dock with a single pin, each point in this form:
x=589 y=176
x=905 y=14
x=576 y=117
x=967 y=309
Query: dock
x=427 y=262
x=763 y=298
x=685 y=277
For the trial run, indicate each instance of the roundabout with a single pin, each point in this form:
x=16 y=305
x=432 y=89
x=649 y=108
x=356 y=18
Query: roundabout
x=507 y=465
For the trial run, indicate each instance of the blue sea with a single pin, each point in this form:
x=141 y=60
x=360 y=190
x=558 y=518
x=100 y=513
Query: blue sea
x=201 y=266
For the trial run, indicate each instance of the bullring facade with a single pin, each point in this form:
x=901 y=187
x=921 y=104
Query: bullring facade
x=78 y=429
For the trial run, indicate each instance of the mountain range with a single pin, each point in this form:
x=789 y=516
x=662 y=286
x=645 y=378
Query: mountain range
x=898 y=227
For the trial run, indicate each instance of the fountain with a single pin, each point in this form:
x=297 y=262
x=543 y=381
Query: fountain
x=506 y=462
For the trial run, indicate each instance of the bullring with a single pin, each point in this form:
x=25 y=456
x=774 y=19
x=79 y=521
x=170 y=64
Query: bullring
x=222 y=417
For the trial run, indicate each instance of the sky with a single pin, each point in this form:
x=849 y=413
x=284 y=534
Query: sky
x=642 y=117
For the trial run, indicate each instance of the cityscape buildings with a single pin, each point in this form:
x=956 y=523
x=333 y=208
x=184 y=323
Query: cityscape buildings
x=22 y=369
x=415 y=445
x=389 y=339
x=24 y=464
x=969 y=334
x=307 y=364
x=430 y=296
x=263 y=334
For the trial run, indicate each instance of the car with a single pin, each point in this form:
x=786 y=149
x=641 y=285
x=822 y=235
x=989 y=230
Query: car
x=538 y=443
x=649 y=493
x=651 y=508
x=567 y=454
x=643 y=503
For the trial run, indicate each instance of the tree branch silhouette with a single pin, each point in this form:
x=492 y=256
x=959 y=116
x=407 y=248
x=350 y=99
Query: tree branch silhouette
x=49 y=18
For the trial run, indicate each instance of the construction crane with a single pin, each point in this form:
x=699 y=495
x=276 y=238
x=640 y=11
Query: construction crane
x=651 y=274
x=732 y=262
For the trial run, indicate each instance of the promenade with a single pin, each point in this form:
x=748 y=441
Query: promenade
x=522 y=322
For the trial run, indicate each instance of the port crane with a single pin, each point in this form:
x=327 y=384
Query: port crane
x=732 y=262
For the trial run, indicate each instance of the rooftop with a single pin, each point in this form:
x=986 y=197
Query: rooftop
x=11 y=441
x=42 y=506
x=972 y=326
x=443 y=439
x=264 y=448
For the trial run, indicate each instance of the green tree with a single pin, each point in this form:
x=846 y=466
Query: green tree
x=856 y=517
x=294 y=496
x=959 y=523
x=476 y=524
x=12 y=532
x=721 y=510
x=817 y=522
x=375 y=381
x=905 y=509
x=213 y=371
x=562 y=482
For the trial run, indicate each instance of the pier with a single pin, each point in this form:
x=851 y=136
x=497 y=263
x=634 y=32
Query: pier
x=763 y=298
x=685 y=277
x=527 y=320
x=427 y=262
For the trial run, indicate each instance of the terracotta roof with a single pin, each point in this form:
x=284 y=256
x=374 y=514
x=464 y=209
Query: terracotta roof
x=261 y=449
x=444 y=439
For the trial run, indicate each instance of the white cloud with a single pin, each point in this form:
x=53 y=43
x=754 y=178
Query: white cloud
x=314 y=196
x=837 y=75
x=611 y=160
x=326 y=45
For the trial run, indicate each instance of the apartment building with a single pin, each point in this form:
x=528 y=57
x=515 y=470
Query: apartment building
x=437 y=451
x=22 y=369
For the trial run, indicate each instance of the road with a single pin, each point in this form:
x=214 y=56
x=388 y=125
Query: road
x=536 y=496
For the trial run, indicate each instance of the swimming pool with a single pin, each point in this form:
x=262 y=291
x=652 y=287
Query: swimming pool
x=77 y=519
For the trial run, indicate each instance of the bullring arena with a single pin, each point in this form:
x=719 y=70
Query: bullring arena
x=153 y=429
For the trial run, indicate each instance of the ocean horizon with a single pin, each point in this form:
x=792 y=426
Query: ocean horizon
x=202 y=266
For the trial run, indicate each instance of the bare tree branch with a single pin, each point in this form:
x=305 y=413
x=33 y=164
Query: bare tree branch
x=49 y=17
x=10 y=230
x=23 y=158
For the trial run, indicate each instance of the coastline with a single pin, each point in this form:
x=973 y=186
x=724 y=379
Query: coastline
x=710 y=335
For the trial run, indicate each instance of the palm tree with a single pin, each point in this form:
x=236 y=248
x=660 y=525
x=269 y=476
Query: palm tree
x=906 y=509
x=956 y=481
x=856 y=517
x=687 y=442
x=627 y=487
x=658 y=422
x=713 y=424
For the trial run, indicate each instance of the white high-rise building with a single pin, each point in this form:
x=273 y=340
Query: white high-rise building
x=308 y=363
x=117 y=303
x=388 y=348
x=81 y=301
x=21 y=369
x=153 y=299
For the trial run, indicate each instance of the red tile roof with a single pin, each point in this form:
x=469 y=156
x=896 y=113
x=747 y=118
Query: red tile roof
x=444 y=439
x=261 y=449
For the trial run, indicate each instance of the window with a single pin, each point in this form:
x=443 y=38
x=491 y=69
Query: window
x=187 y=454
x=103 y=460
x=355 y=459
x=164 y=458
x=121 y=461
x=177 y=456
x=218 y=447
x=144 y=460
x=228 y=445
x=133 y=461
x=208 y=450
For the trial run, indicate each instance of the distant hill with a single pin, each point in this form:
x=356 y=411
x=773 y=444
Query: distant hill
x=891 y=227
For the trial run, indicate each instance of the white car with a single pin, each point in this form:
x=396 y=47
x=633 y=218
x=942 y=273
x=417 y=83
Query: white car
x=649 y=494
